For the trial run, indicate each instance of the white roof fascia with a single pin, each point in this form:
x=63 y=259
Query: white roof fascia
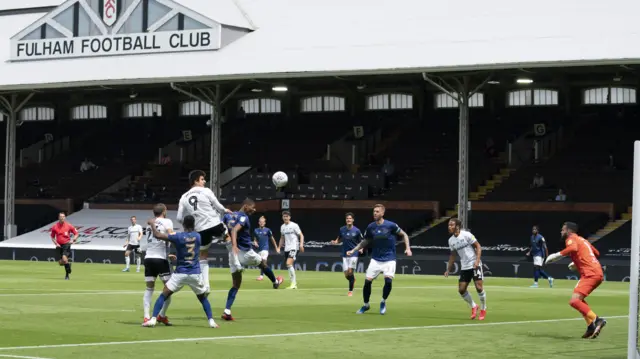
x=36 y=24
x=225 y=12
x=27 y=4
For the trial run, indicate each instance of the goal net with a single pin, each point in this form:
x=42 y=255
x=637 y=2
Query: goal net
x=633 y=351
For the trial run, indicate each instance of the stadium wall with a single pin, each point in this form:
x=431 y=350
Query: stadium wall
x=498 y=267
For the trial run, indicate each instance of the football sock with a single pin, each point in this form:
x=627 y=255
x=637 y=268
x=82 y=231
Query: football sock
x=292 y=274
x=165 y=306
x=231 y=297
x=386 y=290
x=351 y=280
x=543 y=274
x=204 y=268
x=467 y=298
x=206 y=306
x=582 y=307
x=261 y=272
x=67 y=268
x=269 y=273
x=483 y=300
x=138 y=261
x=127 y=261
x=536 y=275
x=366 y=291
x=158 y=306
x=146 y=301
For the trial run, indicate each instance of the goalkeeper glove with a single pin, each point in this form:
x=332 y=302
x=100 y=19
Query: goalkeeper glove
x=553 y=257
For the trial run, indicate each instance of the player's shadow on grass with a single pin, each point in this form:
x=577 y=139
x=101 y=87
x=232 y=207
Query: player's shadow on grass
x=553 y=336
x=182 y=323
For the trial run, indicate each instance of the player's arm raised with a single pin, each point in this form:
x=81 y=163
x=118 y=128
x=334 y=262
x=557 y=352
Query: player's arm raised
x=407 y=245
x=157 y=234
x=571 y=247
x=336 y=241
x=180 y=214
x=452 y=259
x=216 y=204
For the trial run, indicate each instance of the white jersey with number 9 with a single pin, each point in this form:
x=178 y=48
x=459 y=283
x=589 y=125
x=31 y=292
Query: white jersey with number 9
x=202 y=204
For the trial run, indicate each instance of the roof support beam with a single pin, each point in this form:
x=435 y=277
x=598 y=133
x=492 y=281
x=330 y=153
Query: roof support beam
x=11 y=106
x=212 y=96
x=461 y=92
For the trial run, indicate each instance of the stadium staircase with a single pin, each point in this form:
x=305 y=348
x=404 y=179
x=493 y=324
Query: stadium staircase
x=488 y=187
x=611 y=226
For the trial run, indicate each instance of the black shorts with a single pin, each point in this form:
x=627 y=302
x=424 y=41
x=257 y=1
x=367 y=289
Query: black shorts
x=467 y=275
x=156 y=267
x=133 y=248
x=64 y=250
x=210 y=234
x=290 y=254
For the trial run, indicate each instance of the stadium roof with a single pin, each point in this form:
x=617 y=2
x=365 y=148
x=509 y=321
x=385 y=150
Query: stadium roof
x=335 y=37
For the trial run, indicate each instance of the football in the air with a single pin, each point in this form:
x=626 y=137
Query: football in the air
x=280 y=179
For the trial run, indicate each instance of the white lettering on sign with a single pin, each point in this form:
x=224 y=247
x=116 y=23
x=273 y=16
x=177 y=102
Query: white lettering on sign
x=165 y=41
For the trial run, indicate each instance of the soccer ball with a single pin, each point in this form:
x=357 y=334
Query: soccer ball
x=280 y=179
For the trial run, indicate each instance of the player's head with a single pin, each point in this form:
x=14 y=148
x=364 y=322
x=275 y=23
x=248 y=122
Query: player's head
x=455 y=225
x=378 y=212
x=248 y=206
x=534 y=230
x=62 y=217
x=349 y=218
x=262 y=221
x=160 y=210
x=286 y=217
x=197 y=178
x=133 y=220
x=567 y=229
x=189 y=223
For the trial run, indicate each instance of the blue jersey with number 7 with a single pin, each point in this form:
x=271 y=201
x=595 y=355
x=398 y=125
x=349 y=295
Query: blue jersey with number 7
x=187 y=251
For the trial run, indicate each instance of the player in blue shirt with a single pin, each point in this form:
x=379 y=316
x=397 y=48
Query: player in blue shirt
x=261 y=237
x=381 y=235
x=242 y=249
x=187 y=270
x=349 y=236
x=539 y=252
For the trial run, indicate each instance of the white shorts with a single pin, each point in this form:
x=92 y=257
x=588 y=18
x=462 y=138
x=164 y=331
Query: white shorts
x=388 y=269
x=243 y=259
x=349 y=262
x=194 y=281
x=538 y=261
x=264 y=255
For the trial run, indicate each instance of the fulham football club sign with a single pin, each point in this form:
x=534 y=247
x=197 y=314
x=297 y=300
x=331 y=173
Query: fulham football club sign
x=110 y=12
x=115 y=27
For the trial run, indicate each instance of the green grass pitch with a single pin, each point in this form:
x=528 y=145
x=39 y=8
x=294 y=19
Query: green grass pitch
x=97 y=314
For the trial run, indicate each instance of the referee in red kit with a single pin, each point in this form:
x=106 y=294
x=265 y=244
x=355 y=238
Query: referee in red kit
x=62 y=240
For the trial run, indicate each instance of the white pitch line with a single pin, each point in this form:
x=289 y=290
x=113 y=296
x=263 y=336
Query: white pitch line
x=281 y=335
x=445 y=287
x=19 y=356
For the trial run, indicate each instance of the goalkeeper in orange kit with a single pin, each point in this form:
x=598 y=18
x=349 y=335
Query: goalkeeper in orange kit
x=585 y=261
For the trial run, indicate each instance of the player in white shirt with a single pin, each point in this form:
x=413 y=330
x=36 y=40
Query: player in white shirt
x=156 y=263
x=202 y=204
x=293 y=239
x=134 y=234
x=468 y=248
